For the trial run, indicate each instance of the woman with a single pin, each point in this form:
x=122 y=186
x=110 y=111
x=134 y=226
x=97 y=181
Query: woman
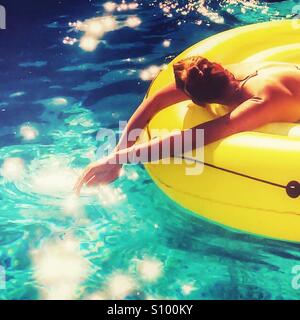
x=268 y=92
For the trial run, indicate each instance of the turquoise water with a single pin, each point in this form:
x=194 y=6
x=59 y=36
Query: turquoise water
x=126 y=241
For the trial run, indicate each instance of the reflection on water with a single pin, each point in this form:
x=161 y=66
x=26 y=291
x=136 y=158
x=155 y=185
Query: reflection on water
x=95 y=28
x=51 y=176
x=28 y=132
x=120 y=285
x=149 y=73
x=150 y=269
x=126 y=240
x=59 y=268
x=13 y=169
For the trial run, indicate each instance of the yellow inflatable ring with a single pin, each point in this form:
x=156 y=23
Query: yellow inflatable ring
x=249 y=180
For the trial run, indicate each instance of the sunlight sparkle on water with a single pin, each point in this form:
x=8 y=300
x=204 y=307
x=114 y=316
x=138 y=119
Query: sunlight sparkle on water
x=120 y=285
x=133 y=22
x=69 y=41
x=52 y=181
x=150 y=73
x=108 y=195
x=59 y=268
x=13 y=169
x=94 y=29
x=150 y=269
x=133 y=5
x=72 y=207
x=28 y=132
x=213 y=16
x=202 y=7
x=17 y=94
x=109 y=23
x=187 y=289
x=166 y=43
x=191 y=6
x=52 y=177
x=127 y=6
x=123 y=7
x=110 y=6
x=59 y=101
x=88 y=43
x=97 y=296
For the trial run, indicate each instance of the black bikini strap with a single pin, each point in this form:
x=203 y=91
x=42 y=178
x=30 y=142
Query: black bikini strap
x=248 y=77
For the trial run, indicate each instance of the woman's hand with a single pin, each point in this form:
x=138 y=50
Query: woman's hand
x=99 y=173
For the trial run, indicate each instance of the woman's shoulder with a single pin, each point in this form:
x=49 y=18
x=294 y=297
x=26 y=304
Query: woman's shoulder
x=244 y=69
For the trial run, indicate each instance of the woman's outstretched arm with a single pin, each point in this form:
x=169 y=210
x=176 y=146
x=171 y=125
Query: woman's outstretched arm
x=248 y=116
x=147 y=109
x=251 y=114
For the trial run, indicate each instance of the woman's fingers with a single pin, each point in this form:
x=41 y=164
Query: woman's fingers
x=98 y=179
x=92 y=181
x=79 y=185
x=87 y=175
x=90 y=178
x=99 y=174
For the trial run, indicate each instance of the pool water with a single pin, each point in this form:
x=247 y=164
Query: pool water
x=127 y=240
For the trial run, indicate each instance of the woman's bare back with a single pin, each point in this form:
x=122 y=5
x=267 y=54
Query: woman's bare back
x=264 y=74
x=275 y=81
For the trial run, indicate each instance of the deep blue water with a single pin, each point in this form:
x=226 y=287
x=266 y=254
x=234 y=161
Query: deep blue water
x=128 y=240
